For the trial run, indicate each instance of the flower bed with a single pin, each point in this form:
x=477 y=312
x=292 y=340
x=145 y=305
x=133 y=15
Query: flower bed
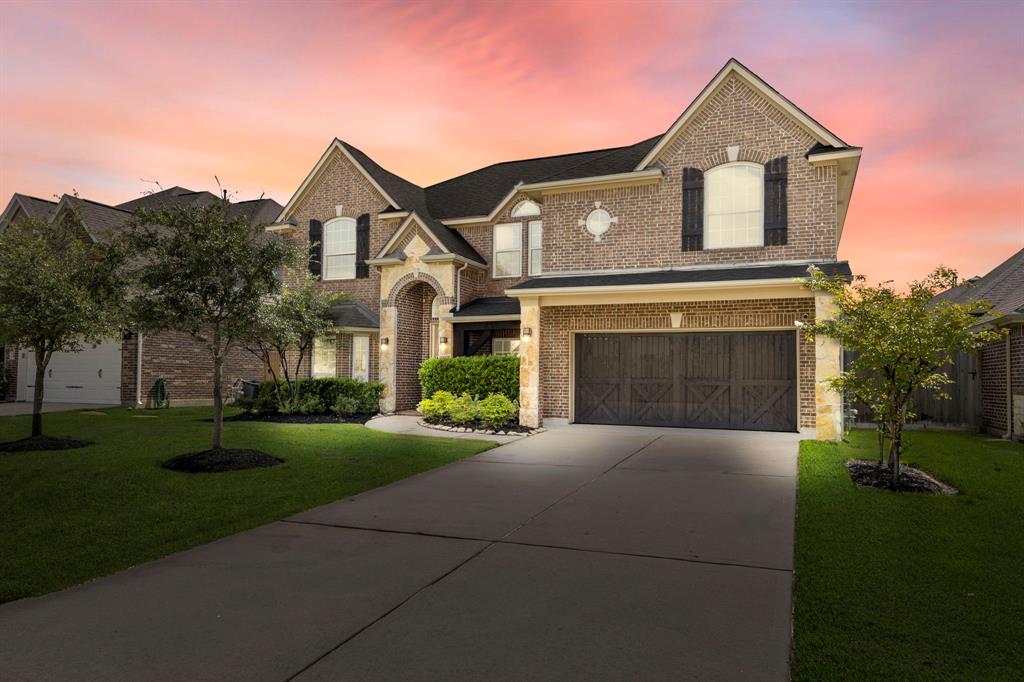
x=314 y=401
x=511 y=430
x=493 y=413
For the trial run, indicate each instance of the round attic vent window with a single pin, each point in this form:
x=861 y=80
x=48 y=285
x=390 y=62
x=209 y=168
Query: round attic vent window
x=598 y=222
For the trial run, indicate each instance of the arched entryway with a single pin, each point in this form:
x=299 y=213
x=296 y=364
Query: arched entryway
x=416 y=322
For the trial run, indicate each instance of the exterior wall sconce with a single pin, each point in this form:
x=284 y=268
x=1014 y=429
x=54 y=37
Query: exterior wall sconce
x=527 y=333
x=443 y=340
x=384 y=343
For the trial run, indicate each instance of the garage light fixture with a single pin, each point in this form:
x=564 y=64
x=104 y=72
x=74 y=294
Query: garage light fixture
x=384 y=343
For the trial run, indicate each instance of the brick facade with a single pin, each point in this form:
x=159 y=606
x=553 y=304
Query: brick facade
x=9 y=361
x=992 y=367
x=648 y=231
x=413 y=345
x=185 y=365
x=558 y=323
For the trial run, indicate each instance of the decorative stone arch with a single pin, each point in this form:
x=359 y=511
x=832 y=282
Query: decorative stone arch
x=732 y=154
x=408 y=279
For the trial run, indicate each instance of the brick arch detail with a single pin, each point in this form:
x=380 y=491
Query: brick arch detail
x=721 y=157
x=411 y=277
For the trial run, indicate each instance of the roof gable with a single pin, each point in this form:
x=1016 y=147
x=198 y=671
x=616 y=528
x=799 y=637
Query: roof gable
x=1003 y=287
x=734 y=68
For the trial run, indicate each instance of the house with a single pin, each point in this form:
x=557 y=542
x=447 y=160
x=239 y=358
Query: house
x=124 y=370
x=1000 y=363
x=658 y=283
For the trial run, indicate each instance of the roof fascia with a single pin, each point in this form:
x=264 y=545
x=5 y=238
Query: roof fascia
x=459 y=319
x=666 y=286
x=734 y=67
x=413 y=218
x=335 y=145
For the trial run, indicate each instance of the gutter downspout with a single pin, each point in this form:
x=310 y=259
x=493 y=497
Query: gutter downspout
x=458 y=286
x=1009 y=391
x=138 y=370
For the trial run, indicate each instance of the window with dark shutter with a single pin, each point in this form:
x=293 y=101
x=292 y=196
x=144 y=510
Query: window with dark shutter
x=362 y=245
x=316 y=239
x=693 y=209
x=776 y=182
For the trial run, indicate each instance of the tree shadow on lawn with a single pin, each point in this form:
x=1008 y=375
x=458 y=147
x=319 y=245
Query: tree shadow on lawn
x=43 y=443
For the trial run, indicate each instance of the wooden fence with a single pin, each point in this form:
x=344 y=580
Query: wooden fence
x=963 y=410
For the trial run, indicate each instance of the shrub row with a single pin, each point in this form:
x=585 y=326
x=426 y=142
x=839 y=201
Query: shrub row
x=495 y=411
x=344 y=397
x=475 y=374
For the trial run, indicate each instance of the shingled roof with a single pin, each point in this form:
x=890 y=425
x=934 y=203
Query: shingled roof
x=35 y=207
x=1003 y=287
x=478 y=192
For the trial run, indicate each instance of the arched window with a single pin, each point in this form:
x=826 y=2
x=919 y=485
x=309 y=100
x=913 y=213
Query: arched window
x=525 y=208
x=339 y=249
x=734 y=206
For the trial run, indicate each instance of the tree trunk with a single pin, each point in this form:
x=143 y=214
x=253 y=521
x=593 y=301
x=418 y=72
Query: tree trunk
x=894 y=454
x=42 y=360
x=218 y=399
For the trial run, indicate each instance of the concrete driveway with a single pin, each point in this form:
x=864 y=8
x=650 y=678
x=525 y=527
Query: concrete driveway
x=580 y=553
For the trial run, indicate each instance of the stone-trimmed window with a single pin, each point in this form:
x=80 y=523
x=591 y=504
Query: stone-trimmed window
x=339 y=252
x=508 y=250
x=734 y=206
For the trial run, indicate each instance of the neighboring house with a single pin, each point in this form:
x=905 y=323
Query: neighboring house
x=108 y=373
x=1000 y=363
x=657 y=283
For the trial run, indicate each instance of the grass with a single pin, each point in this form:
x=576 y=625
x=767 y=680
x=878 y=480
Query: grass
x=911 y=586
x=67 y=517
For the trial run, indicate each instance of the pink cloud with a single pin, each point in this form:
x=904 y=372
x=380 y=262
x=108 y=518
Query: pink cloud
x=254 y=93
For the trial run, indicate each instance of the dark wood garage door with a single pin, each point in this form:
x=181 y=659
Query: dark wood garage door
x=718 y=380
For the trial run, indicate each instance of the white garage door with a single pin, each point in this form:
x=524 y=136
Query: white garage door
x=92 y=376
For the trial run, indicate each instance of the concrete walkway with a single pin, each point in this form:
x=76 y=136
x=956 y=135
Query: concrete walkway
x=410 y=426
x=11 y=409
x=580 y=553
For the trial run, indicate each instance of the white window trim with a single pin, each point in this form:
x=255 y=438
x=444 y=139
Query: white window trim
x=317 y=343
x=494 y=252
x=530 y=247
x=352 y=372
x=510 y=340
x=527 y=208
x=323 y=248
x=707 y=206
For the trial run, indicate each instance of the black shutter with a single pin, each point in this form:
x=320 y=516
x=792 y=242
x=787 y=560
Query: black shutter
x=316 y=247
x=362 y=245
x=693 y=209
x=776 y=182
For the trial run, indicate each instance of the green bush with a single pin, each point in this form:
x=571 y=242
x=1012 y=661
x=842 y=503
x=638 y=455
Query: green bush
x=345 y=406
x=318 y=396
x=464 y=409
x=437 y=407
x=496 y=411
x=474 y=374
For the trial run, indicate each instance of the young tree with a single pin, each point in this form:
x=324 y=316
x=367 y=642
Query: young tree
x=904 y=342
x=59 y=289
x=286 y=326
x=206 y=271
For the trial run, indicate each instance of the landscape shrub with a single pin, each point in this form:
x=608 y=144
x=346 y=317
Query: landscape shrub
x=437 y=407
x=475 y=374
x=318 y=396
x=496 y=411
x=464 y=409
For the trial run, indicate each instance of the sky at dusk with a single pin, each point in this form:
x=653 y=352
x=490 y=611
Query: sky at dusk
x=97 y=98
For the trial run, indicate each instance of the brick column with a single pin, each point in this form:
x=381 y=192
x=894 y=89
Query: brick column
x=388 y=330
x=828 y=404
x=529 y=364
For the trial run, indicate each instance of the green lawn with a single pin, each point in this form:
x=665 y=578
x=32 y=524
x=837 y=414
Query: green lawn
x=67 y=517
x=911 y=586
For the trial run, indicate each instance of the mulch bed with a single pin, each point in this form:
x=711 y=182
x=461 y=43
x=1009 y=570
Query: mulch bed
x=869 y=475
x=476 y=427
x=299 y=418
x=222 y=459
x=34 y=443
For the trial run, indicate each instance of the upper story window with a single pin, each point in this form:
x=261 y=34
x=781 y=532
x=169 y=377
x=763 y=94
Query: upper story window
x=508 y=250
x=536 y=231
x=339 y=251
x=525 y=208
x=734 y=206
